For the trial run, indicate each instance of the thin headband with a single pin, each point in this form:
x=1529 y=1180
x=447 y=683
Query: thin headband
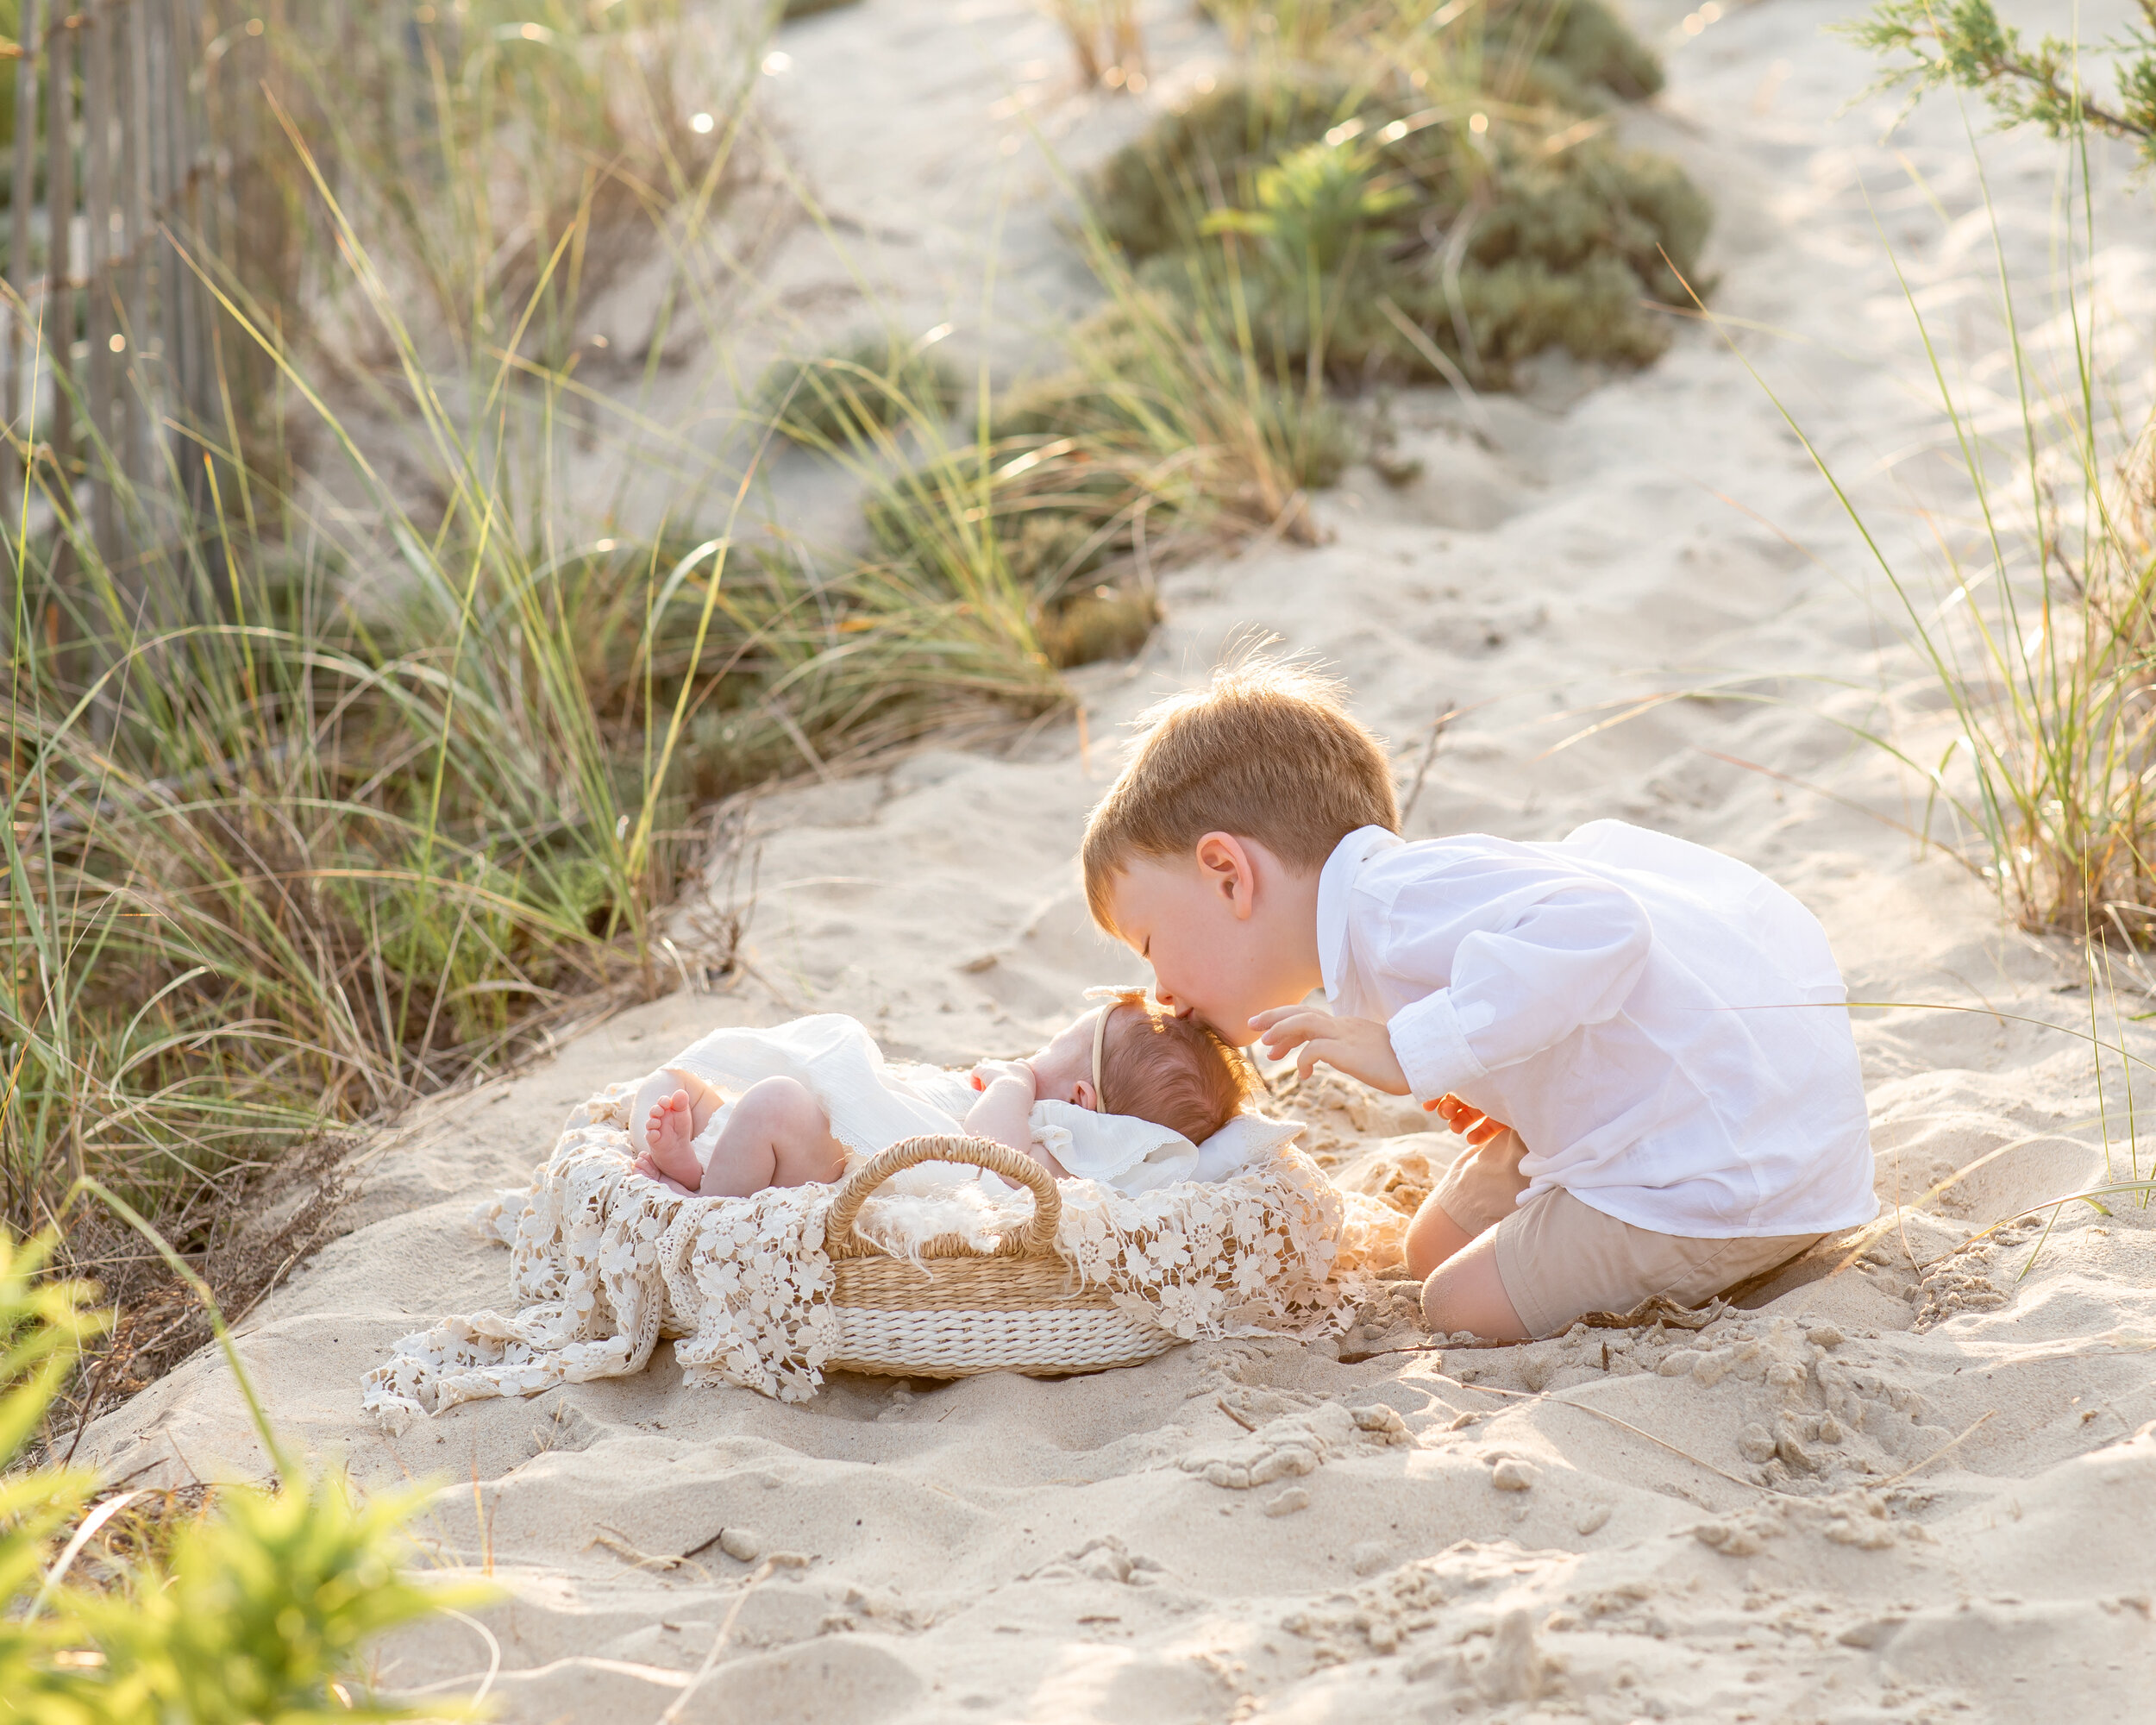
x=1100 y=1042
x=1111 y=998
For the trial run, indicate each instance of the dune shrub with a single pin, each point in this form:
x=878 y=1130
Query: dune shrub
x=1493 y=248
x=870 y=380
x=1576 y=54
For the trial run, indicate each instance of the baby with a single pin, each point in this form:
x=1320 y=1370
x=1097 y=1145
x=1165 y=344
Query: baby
x=1123 y=1094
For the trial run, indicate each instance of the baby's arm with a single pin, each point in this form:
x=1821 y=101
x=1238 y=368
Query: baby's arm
x=1005 y=1112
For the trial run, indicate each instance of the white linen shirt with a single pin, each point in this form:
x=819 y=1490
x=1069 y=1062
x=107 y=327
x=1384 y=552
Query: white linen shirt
x=1665 y=1027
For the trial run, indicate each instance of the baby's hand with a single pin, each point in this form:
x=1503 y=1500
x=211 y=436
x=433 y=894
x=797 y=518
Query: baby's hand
x=1362 y=1048
x=990 y=1071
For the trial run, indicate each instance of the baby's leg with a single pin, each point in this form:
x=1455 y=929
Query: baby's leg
x=778 y=1135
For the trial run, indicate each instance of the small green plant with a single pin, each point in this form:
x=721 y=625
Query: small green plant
x=260 y=1609
x=43 y=1325
x=1317 y=207
x=1965 y=45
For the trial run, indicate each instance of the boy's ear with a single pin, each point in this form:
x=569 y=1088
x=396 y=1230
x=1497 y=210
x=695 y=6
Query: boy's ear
x=1224 y=862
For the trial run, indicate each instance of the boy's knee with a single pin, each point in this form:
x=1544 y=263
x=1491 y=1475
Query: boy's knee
x=1466 y=1294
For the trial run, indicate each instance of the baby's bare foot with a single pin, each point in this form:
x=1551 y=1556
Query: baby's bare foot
x=667 y=1149
x=651 y=1170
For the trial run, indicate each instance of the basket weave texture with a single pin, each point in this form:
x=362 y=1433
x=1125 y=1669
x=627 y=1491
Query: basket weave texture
x=959 y=1310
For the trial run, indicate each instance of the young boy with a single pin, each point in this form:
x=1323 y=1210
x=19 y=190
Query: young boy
x=1646 y=1042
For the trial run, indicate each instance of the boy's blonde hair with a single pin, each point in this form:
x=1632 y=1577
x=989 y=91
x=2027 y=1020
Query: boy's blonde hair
x=1177 y=1073
x=1266 y=751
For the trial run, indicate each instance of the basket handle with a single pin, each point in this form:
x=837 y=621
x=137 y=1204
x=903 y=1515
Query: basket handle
x=1038 y=1235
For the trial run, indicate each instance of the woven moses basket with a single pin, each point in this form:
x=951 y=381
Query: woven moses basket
x=1018 y=1307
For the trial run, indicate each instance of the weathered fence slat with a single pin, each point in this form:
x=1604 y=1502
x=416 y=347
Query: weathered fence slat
x=109 y=377
x=99 y=324
x=136 y=228
x=59 y=240
x=23 y=191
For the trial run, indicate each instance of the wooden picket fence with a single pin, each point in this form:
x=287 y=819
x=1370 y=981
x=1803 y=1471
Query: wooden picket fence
x=110 y=354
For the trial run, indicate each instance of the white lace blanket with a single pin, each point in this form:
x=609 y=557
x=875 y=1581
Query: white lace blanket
x=603 y=1265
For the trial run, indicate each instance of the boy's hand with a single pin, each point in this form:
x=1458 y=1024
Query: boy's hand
x=1464 y=1118
x=1362 y=1048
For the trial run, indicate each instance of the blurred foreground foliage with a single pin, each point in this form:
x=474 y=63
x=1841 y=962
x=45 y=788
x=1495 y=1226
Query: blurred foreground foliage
x=258 y=1605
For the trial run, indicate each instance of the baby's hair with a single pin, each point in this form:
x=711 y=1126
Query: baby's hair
x=1266 y=751
x=1177 y=1073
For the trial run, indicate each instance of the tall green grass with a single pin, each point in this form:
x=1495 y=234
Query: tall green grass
x=2037 y=623
x=2034 y=623
x=354 y=781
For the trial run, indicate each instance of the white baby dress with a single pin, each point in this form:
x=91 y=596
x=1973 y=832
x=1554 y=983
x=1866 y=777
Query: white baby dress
x=874 y=1103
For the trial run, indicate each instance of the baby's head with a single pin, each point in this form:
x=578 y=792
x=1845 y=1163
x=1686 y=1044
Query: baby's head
x=1174 y=1072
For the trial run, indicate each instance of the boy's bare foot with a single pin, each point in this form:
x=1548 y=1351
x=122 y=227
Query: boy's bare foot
x=669 y=1155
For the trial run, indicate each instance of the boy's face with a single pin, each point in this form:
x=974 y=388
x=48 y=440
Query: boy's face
x=1228 y=932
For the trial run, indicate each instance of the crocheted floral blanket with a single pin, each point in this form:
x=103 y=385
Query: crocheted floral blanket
x=605 y=1263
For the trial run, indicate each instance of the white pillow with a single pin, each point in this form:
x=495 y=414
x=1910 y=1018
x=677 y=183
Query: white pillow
x=1243 y=1142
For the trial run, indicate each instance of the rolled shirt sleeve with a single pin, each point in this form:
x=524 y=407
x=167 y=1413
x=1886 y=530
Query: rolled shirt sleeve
x=1431 y=1047
x=1560 y=952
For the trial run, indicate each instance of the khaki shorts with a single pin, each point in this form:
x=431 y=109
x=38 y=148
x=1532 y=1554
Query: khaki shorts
x=1558 y=1257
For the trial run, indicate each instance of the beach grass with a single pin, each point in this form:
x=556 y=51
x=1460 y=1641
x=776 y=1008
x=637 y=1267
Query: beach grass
x=2037 y=623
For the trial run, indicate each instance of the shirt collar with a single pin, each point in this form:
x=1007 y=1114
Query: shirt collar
x=1335 y=880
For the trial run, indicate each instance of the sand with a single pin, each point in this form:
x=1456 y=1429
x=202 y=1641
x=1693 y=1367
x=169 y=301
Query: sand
x=1921 y=1487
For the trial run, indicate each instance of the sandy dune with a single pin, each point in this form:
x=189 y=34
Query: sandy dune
x=1752 y=1522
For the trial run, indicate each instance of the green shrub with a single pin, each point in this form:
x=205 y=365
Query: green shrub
x=1576 y=54
x=1453 y=179
x=1560 y=250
